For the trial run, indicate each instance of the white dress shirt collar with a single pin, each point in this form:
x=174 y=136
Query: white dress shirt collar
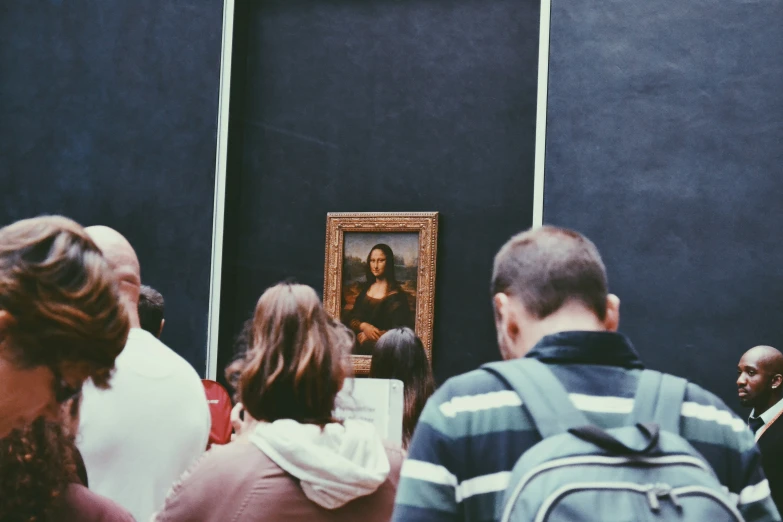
x=770 y=413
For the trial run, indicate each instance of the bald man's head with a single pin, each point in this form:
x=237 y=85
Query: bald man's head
x=760 y=378
x=125 y=264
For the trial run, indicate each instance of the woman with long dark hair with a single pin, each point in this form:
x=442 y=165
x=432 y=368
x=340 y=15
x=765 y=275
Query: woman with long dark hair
x=399 y=354
x=382 y=303
x=292 y=460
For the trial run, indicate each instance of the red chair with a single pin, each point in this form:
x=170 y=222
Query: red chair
x=220 y=410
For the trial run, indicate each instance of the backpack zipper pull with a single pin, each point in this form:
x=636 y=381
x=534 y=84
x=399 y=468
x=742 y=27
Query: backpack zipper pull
x=659 y=491
x=675 y=500
x=652 y=499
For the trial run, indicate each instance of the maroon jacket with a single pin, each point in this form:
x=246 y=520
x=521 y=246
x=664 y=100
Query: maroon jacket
x=238 y=482
x=82 y=505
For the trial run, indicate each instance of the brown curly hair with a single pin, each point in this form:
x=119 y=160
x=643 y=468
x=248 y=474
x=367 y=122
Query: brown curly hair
x=36 y=466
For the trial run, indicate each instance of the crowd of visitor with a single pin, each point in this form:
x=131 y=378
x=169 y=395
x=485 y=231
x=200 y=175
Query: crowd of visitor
x=101 y=421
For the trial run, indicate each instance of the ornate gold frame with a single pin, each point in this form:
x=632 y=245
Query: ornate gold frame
x=426 y=223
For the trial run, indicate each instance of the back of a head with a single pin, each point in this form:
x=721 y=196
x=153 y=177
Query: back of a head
x=297 y=361
x=122 y=259
x=399 y=354
x=63 y=297
x=548 y=267
x=151 y=310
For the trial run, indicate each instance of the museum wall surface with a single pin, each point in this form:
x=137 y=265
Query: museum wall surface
x=664 y=132
x=380 y=106
x=663 y=145
x=108 y=114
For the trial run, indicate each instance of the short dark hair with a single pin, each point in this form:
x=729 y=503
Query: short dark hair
x=399 y=354
x=233 y=370
x=151 y=309
x=63 y=296
x=547 y=267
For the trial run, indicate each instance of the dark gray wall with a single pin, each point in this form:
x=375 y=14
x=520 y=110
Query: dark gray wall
x=380 y=106
x=108 y=115
x=665 y=124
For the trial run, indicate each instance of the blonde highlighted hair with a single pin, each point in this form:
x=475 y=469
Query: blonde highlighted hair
x=297 y=360
x=62 y=297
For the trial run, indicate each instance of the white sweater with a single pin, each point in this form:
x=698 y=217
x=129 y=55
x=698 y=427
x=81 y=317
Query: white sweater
x=139 y=436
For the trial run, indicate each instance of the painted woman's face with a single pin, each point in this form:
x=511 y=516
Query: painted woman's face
x=377 y=263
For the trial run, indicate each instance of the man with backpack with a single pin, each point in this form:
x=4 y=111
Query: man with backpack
x=570 y=427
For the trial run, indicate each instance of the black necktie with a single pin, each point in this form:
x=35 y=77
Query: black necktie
x=755 y=423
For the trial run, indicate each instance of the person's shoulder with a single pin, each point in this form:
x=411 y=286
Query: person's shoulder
x=701 y=403
x=235 y=455
x=166 y=359
x=233 y=470
x=230 y=464
x=396 y=293
x=81 y=504
x=706 y=419
x=472 y=383
x=462 y=401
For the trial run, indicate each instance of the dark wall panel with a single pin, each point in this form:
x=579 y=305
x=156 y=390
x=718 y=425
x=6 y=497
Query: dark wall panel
x=664 y=128
x=108 y=115
x=382 y=106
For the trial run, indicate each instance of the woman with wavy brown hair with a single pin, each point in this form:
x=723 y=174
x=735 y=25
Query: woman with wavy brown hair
x=292 y=461
x=39 y=480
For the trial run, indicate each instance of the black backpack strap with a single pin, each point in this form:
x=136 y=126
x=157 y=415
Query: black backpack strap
x=659 y=399
x=541 y=393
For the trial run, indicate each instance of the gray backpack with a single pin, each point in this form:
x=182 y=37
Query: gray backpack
x=580 y=473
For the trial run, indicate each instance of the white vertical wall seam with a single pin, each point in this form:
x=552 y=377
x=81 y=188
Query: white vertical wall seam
x=541 y=110
x=218 y=216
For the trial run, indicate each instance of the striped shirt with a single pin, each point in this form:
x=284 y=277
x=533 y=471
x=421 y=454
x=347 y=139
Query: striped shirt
x=474 y=429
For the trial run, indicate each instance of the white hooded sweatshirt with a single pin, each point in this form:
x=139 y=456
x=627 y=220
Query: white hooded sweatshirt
x=334 y=465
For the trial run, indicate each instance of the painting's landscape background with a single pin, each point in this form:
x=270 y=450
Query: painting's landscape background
x=357 y=245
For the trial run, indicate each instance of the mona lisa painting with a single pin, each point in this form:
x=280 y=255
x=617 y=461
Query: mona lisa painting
x=380 y=275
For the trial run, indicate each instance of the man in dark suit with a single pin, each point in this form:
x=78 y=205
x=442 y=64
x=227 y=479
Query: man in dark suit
x=760 y=386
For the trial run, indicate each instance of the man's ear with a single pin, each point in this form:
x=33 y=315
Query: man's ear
x=506 y=322
x=6 y=320
x=162 y=324
x=612 y=319
x=777 y=380
x=500 y=302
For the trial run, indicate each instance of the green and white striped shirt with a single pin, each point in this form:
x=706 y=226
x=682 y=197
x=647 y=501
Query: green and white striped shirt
x=473 y=430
